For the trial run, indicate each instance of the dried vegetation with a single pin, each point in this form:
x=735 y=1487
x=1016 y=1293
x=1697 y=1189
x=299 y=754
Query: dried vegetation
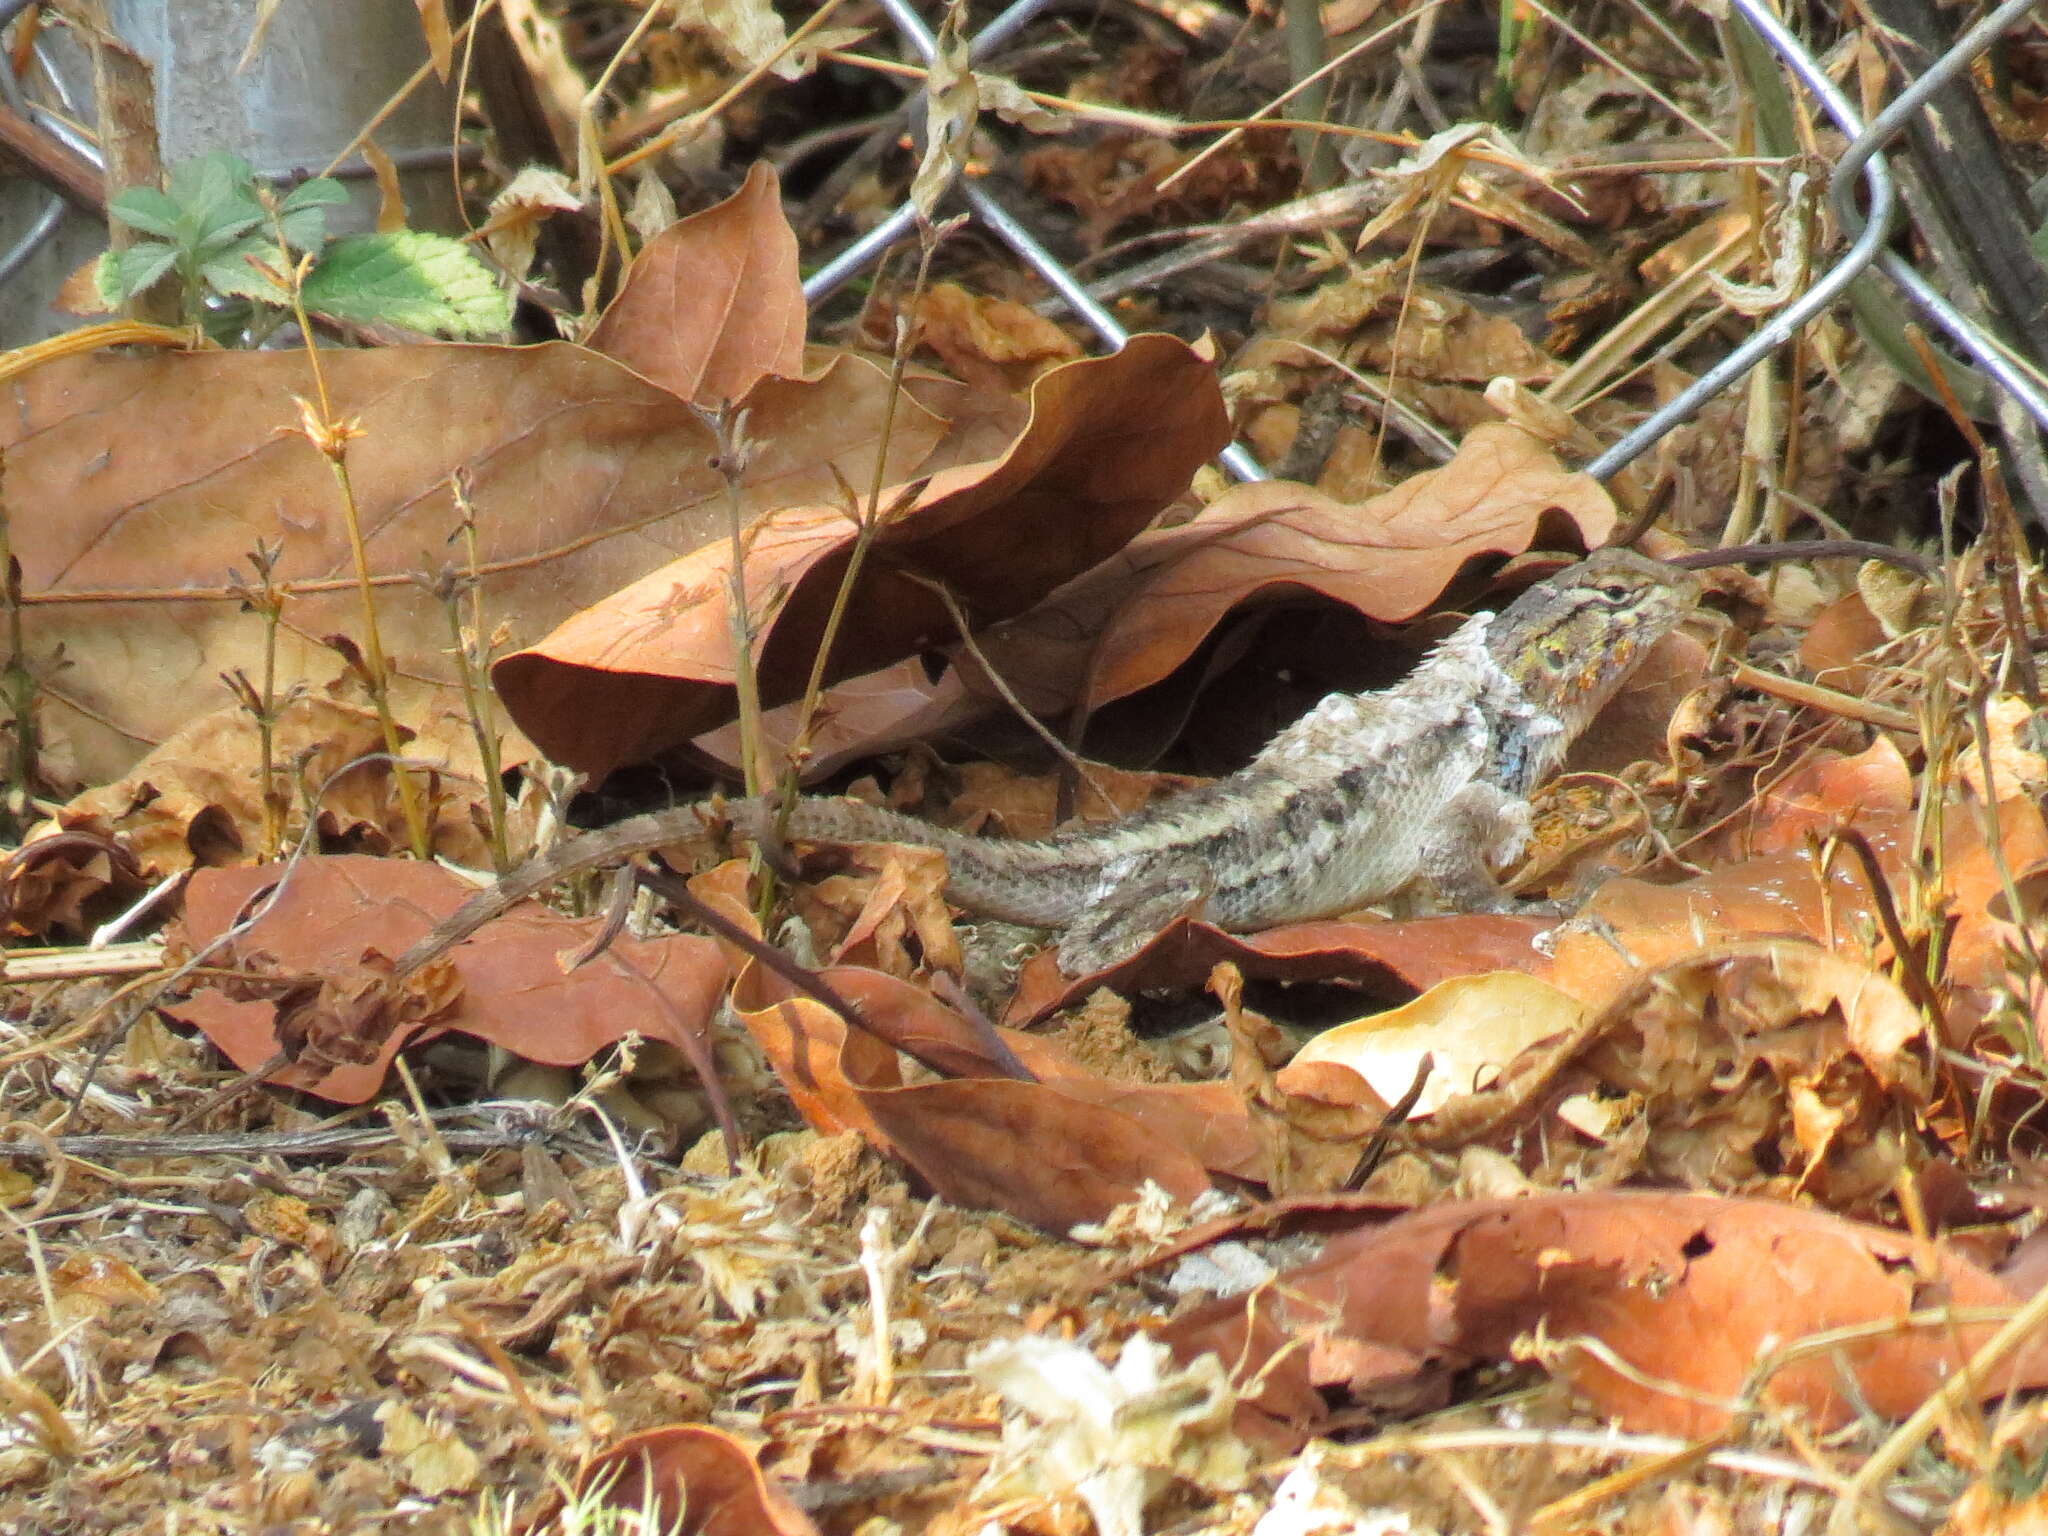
x=1710 y=1211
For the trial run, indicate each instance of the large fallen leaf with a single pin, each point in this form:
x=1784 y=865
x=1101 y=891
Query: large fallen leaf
x=1133 y=620
x=314 y=967
x=1689 y=1293
x=137 y=485
x=1110 y=443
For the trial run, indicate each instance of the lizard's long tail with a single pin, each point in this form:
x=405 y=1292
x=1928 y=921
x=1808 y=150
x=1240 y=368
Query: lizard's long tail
x=1020 y=882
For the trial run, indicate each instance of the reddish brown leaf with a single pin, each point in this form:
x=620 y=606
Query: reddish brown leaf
x=1131 y=621
x=339 y=920
x=1064 y=1150
x=1688 y=1290
x=1111 y=441
x=713 y=304
x=694 y=1480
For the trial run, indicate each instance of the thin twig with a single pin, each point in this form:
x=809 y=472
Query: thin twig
x=815 y=987
x=1038 y=728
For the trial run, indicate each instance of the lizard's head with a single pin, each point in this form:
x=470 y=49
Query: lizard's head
x=1570 y=640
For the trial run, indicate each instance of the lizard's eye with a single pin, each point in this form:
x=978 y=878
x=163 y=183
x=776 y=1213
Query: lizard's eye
x=1616 y=592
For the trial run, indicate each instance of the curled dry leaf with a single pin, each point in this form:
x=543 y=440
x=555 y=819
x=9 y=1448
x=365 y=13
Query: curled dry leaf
x=713 y=304
x=315 y=972
x=1129 y=623
x=1111 y=441
x=890 y=895
x=1470 y=1027
x=1310 y=1143
x=1064 y=1150
x=694 y=1480
x=196 y=799
x=1689 y=1291
x=1775 y=1066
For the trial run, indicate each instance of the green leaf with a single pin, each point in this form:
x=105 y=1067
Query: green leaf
x=137 y=267
x=228 y=270
x=106 y=280
x=320 y=192
x=303 y=212
x=146 y=209
x=405 y=277
x=226 y=235
x=216 y=196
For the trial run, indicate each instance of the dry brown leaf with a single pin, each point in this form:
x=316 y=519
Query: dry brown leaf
x=713 y=304
x=1133 y=620
x=886 y=896
x=315 y=966
x=137 y=484
x=1066 y=1149
x=1111 y=441
x=992 y=343
x=208 y=772
x=1689 y=1291
x=1310 y=1143
x=692 y=1480
x=1773 y=1066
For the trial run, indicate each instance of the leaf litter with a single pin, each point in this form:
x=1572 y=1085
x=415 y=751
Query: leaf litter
x=1735 y=1156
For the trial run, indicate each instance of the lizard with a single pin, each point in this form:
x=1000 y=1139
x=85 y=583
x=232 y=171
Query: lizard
x=1419 y=791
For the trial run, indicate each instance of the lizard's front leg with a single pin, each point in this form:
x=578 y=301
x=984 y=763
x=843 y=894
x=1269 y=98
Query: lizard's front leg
x=1483 y=829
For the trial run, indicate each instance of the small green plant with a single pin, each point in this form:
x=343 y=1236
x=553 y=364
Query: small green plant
x=232 y=246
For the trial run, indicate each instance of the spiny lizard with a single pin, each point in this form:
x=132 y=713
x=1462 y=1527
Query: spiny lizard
x=1421 y=789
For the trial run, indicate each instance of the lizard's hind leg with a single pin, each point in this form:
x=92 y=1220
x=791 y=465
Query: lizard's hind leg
x=1133 y=911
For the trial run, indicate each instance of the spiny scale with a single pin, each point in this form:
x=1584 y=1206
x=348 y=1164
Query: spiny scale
x=1424 y=784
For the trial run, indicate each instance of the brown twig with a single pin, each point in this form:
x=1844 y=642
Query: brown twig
x=1912 y=957
x=1810 y=549
x=814 y=986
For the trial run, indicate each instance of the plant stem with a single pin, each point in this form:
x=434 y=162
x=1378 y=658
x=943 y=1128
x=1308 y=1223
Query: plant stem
x=330 y=438
x=20 y=683
x=472 y=663
x=1303 y=23
x=869 y=518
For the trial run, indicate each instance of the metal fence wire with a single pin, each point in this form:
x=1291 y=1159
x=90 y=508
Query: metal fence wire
x=1869 y=227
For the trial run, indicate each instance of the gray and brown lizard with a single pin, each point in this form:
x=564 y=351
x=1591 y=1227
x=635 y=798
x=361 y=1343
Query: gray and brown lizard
x=1421 y=789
